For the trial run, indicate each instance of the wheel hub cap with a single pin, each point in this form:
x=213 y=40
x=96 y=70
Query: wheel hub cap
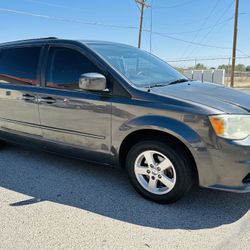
x=155 y=172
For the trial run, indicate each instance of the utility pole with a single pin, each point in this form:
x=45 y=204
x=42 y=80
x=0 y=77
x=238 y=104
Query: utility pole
x=143 y=5
x=151 y=26
x=235 y=41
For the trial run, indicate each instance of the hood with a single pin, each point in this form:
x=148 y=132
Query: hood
x=213 y=95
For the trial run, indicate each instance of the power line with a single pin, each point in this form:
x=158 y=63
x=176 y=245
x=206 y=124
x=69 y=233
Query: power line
x=190 y=42
x=216 y=24
x=175 y=6
x=242 y=52
x=204 y=23
x=137 y=6
x=143 y=5
x=207 y=59
x=66 y=20
x=108 y=26
x=206 y=28
x=101 y=24
x=182 y=32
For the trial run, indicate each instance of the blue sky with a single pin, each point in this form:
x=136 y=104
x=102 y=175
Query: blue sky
x=208 y=22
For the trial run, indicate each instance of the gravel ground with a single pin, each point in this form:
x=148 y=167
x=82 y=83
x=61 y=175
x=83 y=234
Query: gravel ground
x=51 y=202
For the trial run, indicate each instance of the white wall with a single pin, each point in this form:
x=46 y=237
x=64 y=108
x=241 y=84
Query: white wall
x=215 y=76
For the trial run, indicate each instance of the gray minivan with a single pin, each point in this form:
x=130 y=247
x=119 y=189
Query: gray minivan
x=117 y=105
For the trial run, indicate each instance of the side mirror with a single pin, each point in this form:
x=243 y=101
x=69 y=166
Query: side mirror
x=93 y=82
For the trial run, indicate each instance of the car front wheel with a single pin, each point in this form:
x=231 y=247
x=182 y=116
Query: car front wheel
x=158 y=172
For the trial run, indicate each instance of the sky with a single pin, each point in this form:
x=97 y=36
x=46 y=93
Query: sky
x=182 y=29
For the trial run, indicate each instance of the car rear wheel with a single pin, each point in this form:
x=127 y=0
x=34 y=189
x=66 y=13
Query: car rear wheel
x=158 y=172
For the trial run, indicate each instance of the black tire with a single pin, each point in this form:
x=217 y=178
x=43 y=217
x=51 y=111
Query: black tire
x=2 y=144
x=183 y=171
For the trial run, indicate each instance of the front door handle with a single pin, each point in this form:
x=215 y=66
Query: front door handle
x=28 y=97
x=47 y=99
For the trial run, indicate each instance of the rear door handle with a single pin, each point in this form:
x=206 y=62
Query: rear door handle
x=28 y=97
x=47 y=99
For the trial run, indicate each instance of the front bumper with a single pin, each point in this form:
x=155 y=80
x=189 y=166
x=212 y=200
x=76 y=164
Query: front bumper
x=227 y=166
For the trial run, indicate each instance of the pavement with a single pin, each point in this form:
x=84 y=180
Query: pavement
x=246 y=90
x=52 y=202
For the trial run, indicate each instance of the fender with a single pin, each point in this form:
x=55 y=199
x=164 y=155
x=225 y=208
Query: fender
x=176 y=128
x=165 y=124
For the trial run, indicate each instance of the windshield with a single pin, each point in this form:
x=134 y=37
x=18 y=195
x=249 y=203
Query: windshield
x=138 y=66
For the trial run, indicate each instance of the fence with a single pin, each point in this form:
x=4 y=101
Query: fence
x=241 y=79
x=215 y=76
x=242 y=74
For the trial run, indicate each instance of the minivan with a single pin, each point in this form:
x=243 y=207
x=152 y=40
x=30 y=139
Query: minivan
x=117 y=105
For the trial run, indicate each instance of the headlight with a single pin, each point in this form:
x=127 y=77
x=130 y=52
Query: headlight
x=234 y=127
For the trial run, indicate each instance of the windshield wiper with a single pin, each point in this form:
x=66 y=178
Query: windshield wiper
x=158 y=85
x=149 y=87
x=179 y=81
x=166 y=83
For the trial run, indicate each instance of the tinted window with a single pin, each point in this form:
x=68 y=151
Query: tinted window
x=65 y=68
x=19 y=65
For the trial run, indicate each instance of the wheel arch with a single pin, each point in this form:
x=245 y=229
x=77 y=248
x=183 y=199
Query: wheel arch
x=153 y=134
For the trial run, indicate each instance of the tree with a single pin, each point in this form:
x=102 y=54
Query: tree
x=180 y=69
x=200 y=66
x=248 y=68
x=240 y=67
x=226 y=67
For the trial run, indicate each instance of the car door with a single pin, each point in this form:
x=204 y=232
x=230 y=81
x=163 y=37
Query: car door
x=70 y=116
x=18 y=90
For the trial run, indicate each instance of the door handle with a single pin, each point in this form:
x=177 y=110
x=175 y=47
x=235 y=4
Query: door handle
x=28 y=97
x=46 y=99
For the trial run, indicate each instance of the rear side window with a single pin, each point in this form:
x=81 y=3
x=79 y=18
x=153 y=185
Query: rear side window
x=19 y=65
x=65 y=67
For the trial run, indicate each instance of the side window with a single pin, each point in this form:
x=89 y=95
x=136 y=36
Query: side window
x=65 y=67
x=19 y=65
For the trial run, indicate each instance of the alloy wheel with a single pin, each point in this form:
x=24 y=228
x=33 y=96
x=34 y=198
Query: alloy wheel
x=155 y=172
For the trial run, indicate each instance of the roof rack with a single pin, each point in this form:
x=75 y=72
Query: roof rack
x=40 y=38
x=28 y=40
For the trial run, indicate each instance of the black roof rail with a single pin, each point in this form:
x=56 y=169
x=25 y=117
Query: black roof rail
x=37 y=39
x=28 y=40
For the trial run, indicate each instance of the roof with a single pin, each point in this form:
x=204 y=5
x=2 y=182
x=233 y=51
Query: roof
x=47 y=39
x=29 y=40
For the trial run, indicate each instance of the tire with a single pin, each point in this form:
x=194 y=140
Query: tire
x=2 y=144
x=167 y=177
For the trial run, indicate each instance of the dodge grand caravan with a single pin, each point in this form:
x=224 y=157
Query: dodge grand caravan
x=117 y=105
